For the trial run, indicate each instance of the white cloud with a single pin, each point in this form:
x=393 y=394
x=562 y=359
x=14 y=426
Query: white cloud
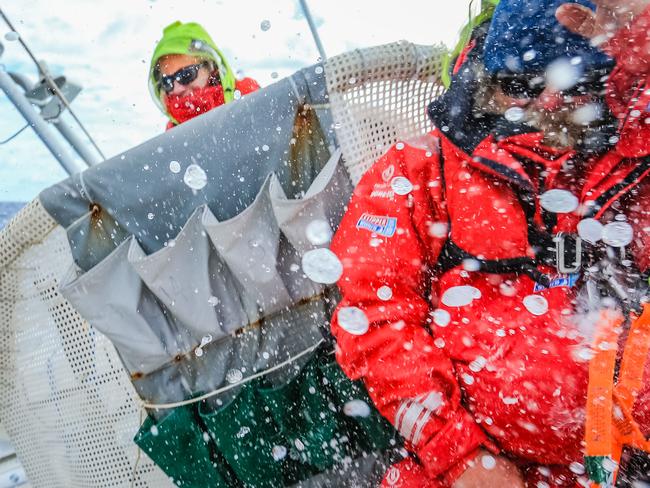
x=106 y=46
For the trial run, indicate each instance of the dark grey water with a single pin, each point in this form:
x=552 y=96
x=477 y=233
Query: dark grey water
x=8 y=210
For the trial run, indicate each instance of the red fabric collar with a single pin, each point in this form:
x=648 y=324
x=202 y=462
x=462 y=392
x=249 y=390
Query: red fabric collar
x=503 y=158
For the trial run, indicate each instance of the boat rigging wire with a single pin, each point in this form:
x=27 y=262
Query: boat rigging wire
x=50 y=82
x=312 y=27
x=14 y=135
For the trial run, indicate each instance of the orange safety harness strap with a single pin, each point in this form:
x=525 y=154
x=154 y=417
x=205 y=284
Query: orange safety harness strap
x=609 y=423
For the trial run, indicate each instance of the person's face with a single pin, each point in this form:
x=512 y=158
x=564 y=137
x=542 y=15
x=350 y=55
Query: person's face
x=564 y=117
x=171 y=63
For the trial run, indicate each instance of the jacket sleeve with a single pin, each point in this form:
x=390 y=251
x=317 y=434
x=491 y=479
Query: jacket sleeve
x=247 y=85
x=386 y=249
x=628 y=91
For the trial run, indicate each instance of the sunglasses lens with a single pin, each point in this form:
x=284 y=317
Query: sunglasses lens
x=520 y=87
x=184 y=76
x=592 y=86
x=187 y=75
x=167 y=83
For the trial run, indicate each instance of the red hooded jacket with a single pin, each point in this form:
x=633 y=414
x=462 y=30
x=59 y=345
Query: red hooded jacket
x=504 y=369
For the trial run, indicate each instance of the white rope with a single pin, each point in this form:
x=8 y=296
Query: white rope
x=167 y=406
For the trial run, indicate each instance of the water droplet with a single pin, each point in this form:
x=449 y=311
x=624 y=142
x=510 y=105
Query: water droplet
x=559 y=201
x=562 y=74
x=279 y=453
x=459 y=296
x=586 y=114
x=441 y=317
x=529 y=55
x=205 y=340
x=198 y=352
x=318 y=232
x=507 y=290
x=150 y=216
x=234 y=376
x=318 y=70
x=214 y=301
x=478 y=364
x=299 y=445
x=439 y=229
x=590 y=230
x=265 y=25
x=439 y=342
x=265 y=147
x=618 y=234
x=274 y=74
x=514 y=114
x=12 y=36
x=243 y=432
x=385 y=293
x=356 y=408
x=471 y=265
x=174 y=166
x=536 y=304
x=195 y=177
x=399 y=146
x=401 y=185
x=510 y=400
x=322 y=266
x=154 y=430
x=353 y=320
x=584 y=354
x=577 y=468
x=609 y=464
x=468 y=379
x=236 y=94
x=488 y=462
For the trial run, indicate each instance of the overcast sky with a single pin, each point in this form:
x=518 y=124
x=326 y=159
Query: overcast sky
x=105 y=45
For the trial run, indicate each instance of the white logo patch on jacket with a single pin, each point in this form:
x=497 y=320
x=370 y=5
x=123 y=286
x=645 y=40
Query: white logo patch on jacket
x=380 y=225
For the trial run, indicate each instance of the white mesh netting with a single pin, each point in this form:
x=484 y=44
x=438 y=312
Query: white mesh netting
x=380 y=95
x=67 y=403
x=68 y=406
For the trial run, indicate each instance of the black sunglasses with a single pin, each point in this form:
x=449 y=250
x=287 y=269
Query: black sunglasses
x=522 y=86
x=184 y=76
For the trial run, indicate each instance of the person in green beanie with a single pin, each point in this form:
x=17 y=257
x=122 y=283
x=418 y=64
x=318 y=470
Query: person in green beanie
x=189 y=75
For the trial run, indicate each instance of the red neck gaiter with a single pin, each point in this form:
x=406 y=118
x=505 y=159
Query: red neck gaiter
x=200 y=100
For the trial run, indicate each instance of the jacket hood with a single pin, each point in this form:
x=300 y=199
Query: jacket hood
x=192 y=39
x=453 y=112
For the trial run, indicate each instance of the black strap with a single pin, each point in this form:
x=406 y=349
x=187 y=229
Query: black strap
x=630 y=179
x=452 y=256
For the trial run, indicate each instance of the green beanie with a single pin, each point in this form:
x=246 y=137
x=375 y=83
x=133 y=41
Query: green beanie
x=192 y=39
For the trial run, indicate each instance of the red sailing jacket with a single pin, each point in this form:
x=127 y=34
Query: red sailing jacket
x=499 y=371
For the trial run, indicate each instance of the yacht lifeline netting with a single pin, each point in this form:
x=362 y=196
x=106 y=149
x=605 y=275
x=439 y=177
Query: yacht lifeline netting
x=69 y=404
